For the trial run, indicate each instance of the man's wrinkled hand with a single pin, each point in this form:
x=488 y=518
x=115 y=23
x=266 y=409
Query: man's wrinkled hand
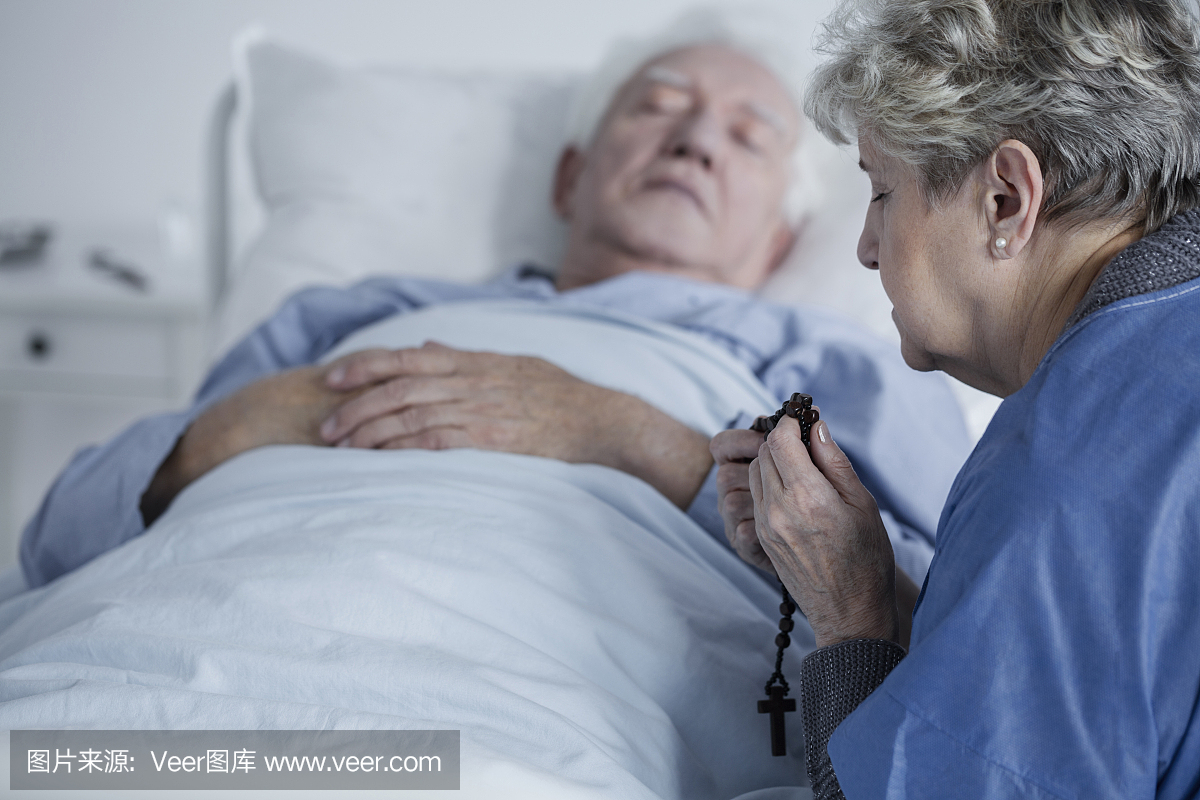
x=285 y=408
x=435 y=397
x=821 y=529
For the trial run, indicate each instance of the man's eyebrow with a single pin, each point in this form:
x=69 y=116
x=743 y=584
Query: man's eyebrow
x=669 y=76
x=769 y=116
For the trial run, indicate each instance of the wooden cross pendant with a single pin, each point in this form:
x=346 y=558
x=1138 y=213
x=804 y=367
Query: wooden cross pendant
x=776 y=706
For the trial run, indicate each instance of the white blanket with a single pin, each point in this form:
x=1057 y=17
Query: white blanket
x=587 y=638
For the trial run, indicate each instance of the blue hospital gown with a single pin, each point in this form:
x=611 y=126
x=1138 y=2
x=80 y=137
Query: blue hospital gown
x=902 y=430
x=1056 y=648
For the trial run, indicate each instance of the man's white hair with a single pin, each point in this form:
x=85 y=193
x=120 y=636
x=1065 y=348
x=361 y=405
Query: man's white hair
x=767 y=34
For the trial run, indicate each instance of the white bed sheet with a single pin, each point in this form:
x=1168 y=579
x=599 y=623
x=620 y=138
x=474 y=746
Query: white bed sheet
x=585 y=635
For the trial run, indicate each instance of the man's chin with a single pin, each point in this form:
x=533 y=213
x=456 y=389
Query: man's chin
x=673 y=246
x=664 y=214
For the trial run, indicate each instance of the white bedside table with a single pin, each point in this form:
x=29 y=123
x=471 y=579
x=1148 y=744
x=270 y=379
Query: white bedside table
x=83 y=354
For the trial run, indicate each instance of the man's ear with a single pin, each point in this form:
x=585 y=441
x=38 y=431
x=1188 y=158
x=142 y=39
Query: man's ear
x=1012 y=197
x=566 y=178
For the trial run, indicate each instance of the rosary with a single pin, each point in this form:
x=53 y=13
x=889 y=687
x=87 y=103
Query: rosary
x=798 y=408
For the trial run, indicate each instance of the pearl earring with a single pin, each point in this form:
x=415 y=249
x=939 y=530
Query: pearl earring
x=1001 y=243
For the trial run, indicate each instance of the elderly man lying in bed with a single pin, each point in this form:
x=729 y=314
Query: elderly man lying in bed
x=517 y=564
x=675 y=207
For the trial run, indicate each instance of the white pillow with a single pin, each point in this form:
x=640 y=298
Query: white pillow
x=374 y=170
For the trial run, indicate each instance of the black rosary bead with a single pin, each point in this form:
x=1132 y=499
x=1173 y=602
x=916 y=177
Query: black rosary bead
x=799 y=408
x=786 y=625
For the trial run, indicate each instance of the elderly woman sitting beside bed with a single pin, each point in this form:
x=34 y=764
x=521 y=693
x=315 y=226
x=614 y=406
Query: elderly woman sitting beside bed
x=499 y=545
x=1036 y=222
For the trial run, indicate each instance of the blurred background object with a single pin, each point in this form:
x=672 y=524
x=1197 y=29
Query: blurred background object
x=23 y=243
x=108 y=327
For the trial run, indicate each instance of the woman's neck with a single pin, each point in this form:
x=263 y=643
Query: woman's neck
x=1058 y=281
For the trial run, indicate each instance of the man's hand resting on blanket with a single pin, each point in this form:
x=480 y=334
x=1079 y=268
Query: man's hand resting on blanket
x=285 y=408
x=435 y=397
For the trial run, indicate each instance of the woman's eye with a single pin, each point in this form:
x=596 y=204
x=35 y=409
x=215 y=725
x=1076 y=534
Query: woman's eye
x=880 y=196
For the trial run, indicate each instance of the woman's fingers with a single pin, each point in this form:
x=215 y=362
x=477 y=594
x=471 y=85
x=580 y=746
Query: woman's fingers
x=821 y=529
x=794 y=468
x=756 y=481
x=735 y=446
x=733 y=451
x=837 y=469
x=745 y=543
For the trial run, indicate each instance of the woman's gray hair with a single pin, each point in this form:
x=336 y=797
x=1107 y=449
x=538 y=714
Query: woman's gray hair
x=1105 y=92
x=762 y=32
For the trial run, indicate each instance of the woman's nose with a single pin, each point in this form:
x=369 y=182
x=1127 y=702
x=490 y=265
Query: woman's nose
x=868 y=247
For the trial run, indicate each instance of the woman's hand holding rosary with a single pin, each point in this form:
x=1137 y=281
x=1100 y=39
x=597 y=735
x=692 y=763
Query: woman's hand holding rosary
x=821 y=530
x=800 y=512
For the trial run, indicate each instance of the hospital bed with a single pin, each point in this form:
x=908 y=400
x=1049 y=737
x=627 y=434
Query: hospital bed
x=587 y=638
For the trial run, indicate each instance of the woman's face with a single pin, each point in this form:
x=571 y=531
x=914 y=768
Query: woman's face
x=932 y=262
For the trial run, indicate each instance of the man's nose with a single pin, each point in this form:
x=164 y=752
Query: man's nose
x=698 y=138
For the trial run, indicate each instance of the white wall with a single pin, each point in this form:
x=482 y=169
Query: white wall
x=103 y=103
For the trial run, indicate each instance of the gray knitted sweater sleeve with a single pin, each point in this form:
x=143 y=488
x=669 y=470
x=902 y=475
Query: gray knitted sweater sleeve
x=834 y=680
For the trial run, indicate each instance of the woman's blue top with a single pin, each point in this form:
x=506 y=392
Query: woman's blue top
x=1056 y=648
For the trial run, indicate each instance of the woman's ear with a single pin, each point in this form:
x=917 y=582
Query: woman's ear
x=1012 y=179
x=566 y=177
